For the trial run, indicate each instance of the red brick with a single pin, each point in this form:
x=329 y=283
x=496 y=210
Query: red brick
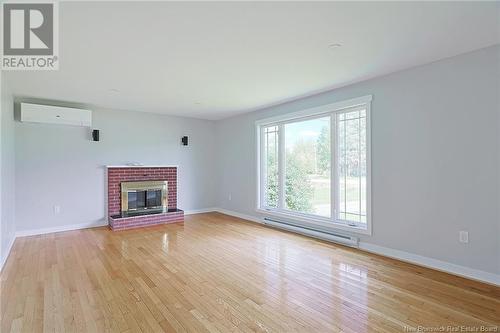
x=118 y=175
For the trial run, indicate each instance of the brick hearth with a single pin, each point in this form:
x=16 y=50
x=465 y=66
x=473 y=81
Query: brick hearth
x=117 y=175
x=122 y=223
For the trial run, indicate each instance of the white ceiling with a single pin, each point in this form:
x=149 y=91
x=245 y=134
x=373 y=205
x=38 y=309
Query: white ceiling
x=213 y=60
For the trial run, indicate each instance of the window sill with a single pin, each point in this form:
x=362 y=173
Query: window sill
x=321 y=224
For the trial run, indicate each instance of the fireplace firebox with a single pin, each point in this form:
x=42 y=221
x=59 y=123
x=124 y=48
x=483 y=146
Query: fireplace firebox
x=143 y=197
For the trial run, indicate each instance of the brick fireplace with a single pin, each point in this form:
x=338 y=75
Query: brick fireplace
x=121 y=178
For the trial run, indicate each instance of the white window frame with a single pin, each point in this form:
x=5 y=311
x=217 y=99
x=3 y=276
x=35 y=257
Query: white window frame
x=311 y=220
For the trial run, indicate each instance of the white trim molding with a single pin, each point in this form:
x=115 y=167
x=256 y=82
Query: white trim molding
x=239 y=215
x=332 y=111
x=443 y=266
x=68 y=227
x=71 y=227
x=199 y=211
x=139 y=166
x=322 y=109
x=432 y=263
x=9 y=249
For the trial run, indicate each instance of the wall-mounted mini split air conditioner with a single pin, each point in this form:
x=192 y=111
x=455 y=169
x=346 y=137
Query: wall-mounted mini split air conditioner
x=48 y=114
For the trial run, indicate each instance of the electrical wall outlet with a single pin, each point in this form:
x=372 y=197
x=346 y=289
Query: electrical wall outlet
x=57 y=209
x=463 y=236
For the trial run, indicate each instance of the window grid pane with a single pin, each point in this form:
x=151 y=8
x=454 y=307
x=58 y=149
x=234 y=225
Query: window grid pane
x=297 y=169
x=351 y=166
x=271 y=166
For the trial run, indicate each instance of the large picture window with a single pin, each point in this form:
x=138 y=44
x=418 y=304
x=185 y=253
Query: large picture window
x=314 y=165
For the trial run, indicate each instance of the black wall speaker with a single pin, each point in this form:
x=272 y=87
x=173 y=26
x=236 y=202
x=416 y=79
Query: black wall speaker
x=184 y=140
x=95 y=135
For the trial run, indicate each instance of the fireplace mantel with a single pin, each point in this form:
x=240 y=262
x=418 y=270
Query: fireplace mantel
x=140 y=166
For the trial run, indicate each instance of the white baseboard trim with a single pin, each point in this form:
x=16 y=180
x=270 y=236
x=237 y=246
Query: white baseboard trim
x=241 y=216
x=9 y=248
x=444 y=266
x=436 y=264
x=69 y=227
x=42 y=231
x=440 y=265
x=199 y=211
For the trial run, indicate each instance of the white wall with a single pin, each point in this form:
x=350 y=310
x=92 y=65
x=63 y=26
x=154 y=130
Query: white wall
x=435 y=165
x=435 y=145
x=7 y=214
x=2 y=250
x=60 y=165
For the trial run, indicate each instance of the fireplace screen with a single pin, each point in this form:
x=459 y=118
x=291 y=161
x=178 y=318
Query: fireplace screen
x=145 y=196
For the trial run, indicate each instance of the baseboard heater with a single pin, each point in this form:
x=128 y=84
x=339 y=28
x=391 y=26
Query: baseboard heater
x=328 y=236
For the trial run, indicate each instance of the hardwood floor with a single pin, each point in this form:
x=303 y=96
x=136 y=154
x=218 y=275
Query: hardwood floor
x=220 y=274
